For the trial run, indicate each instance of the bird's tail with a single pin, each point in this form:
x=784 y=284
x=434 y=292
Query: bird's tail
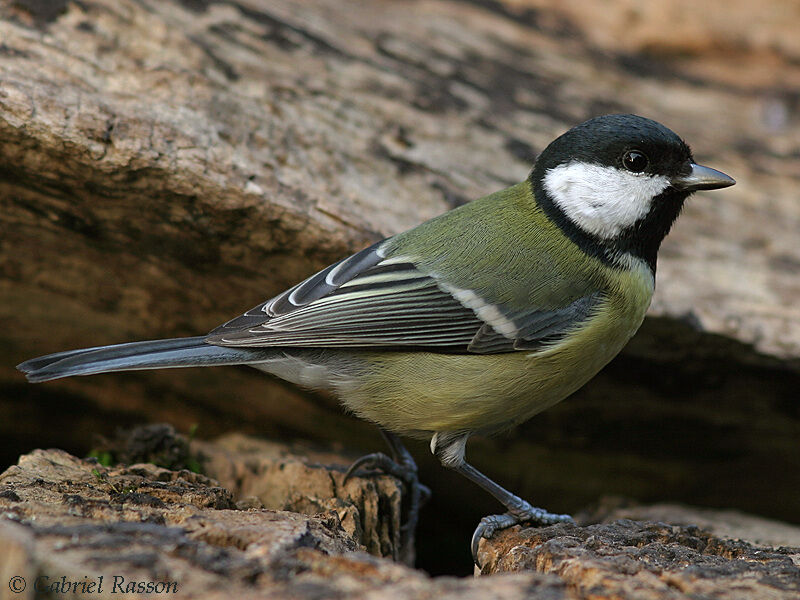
x=156 y=354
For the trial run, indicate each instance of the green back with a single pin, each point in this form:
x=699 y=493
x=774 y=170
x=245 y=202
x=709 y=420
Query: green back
x=505 y=249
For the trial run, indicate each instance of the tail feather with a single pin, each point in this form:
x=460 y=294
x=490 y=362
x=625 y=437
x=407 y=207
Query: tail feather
x=155 y=354
x=114 y=350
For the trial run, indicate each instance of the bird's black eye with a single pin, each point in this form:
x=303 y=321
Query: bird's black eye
x=634 y=161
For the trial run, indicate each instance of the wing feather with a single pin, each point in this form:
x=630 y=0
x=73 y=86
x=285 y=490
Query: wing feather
x=369 y=300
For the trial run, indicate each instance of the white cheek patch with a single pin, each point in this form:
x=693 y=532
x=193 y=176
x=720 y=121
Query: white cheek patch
x=602 y=201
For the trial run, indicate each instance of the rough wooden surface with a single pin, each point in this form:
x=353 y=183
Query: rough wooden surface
x=262 y=474
x=226 y=136
x=167 y=165
x=66 y=521
x=647 y=560
x=266 y=474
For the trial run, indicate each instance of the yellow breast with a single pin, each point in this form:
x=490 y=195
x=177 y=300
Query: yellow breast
x=420 y=392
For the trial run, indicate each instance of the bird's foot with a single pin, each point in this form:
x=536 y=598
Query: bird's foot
x=524 y=513
x=378 y=461
x=415 y=493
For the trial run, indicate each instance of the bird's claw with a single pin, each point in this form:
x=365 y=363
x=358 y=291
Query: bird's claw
x=524 y=514
x=416 y=494
x=380 y=462
x=486 y=529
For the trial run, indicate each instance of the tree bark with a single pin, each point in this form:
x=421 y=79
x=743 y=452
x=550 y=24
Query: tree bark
x=67 y=521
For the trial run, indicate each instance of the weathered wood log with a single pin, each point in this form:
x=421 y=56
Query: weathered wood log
x=646 y=559
x=66 y=524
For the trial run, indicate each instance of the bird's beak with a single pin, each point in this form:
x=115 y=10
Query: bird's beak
x=702 y=178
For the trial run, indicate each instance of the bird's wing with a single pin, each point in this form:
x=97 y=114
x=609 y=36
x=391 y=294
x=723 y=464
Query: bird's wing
x=369 y=300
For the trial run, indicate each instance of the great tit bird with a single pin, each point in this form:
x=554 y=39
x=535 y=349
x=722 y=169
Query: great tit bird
x=471 y=322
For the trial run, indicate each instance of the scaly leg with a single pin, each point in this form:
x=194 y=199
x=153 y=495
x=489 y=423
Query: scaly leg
x=519 y=511
x=449 y=448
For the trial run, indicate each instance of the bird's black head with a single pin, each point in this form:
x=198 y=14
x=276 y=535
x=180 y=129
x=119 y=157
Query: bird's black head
x=615 y=184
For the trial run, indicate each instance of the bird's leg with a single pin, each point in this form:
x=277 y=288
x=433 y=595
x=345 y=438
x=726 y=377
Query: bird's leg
x=449 y=448
x=519 y=511
x=402 y=466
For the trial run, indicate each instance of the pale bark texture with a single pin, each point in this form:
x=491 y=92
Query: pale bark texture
x=166 y=165
x=67 y=521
